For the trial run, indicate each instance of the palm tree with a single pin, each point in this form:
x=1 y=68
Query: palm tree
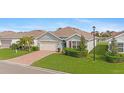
x=29 y=42
x=26 y=42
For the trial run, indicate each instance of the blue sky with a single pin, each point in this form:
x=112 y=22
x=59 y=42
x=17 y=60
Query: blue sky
x=51 y=24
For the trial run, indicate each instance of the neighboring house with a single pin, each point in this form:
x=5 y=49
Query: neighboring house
x=113 y=33
x=103 y=39
x=63 y=37
x=106 y=39
x=120 y=41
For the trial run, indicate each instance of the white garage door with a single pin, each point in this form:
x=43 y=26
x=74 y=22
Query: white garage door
x=6 y=43
x=52 y=46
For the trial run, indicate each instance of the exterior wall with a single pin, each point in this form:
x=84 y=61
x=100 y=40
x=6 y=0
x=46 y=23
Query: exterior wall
x=52 y=38
x=90 y=45
x=74 y=38
x=77 y=38
x=35 y=42
x=60 y=45
x=14 y=41
x=0 y=43
x=120 y=39
x=48 y=37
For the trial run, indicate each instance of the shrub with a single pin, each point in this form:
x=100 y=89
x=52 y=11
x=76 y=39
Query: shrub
x=72 y=52
x=90 y=59
x=82 y=46
x=34 y=48
x=84 y=53
x=114 y=58
x=14 y=46
x=113 y=46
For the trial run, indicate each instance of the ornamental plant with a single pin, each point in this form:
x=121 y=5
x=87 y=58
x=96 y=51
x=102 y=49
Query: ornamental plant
x=83 y=47
x=113 y=47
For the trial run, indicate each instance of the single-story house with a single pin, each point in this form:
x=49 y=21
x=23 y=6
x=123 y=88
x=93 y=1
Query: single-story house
x=120 y=41
x=63 y=37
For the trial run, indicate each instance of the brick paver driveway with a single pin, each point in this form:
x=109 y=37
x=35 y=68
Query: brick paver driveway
x=28 y=59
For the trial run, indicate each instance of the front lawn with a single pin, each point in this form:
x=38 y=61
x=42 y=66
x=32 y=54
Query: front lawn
x=7 y=53
x=70 y=64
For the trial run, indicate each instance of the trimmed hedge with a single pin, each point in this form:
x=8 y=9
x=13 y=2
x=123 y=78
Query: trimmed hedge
x=72 y=52
x=75 y=52
x=114 y=58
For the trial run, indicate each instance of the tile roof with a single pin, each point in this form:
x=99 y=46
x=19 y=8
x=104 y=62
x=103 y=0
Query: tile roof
x=61 y=32
x=116 y=33
x=69 y=31
x=11 y=34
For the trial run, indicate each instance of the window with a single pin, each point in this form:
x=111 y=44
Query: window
x=120 y=47
x=78 y=44
x=74 y=44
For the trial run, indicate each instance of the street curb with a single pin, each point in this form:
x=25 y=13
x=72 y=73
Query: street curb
x=35 y=68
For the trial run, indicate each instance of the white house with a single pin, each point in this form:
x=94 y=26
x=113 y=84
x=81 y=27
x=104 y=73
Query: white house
x=120 y=42
x=63 y=37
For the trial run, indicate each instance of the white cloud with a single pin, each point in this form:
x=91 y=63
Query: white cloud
x=102 y=26
x=30 y=27
x=8 y=29
x=20 y=28
x=83 y=20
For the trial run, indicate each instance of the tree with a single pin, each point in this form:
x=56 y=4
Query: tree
x=82 y=43
x=97 y=33
x=14 y=46
x=105 y=34
x=83 y=47
x=29 y=41
x=113 y=47
x=25 y=43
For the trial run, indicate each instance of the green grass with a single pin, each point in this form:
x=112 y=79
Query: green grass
x=69 y=64
x=7 y=53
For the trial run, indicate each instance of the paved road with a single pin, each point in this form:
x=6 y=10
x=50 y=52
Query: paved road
x=12 y=68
